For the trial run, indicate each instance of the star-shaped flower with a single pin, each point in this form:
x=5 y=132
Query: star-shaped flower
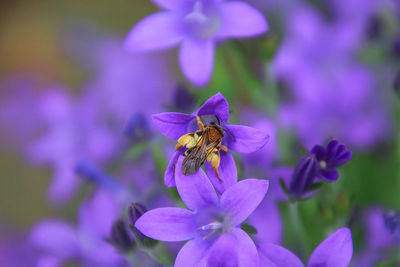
x=197 y=25
x=241 y=139
x=211 y=223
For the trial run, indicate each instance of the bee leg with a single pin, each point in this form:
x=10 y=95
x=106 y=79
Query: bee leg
x=200 y=123
x=187 y=140
x=214 y=158
x=224 y=148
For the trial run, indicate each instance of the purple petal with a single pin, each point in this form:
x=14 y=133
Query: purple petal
x=172 y=124
x=196 y=58
x=335 y=251
x=158 y=31
x=233 y=249
x=172 y=4
x=169 y=176
x=241 y=199
x=239 y=19
x=329 y=175
x=55 y=237
x=196 y=189
x=343 y=158
x=224 y=252
x=215 y=105
x=267 y=220
x=319 y=152
x=167 y=224
x=247 y=139
x=278 y=255
x=193 y=253
x=63 y=185
x=227 y=172
x=331 y=148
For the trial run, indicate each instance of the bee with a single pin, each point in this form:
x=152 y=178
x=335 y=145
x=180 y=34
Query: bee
x=202 y=145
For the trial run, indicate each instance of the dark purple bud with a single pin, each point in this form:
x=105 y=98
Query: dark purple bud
x=375 y=27
x=120 y=236
x=329 y=158
x=303 y=176
x=136 y=210
x=396 y=46
x=183 y=100
x=137 y=128
x=397 y=83
x=392 y=223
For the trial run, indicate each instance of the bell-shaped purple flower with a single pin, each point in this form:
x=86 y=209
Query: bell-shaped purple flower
x=334 y=251
x=197 y=25
x=241 y=139
x=211 y=223
x=330 y=157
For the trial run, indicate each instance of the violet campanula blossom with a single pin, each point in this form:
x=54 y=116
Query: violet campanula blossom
x=321 y=163
x=241 y=139
x=329 y=158
x=197 y=25
x=316 y=61
x=211 y=223
x=335 y=251
x=84 y=242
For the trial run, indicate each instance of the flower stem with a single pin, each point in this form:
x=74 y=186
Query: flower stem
x=300 y=231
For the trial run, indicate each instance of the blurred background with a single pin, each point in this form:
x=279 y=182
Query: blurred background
x=70 y=94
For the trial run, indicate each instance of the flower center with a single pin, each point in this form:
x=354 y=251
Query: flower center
x=322 y=164
x=203 y=21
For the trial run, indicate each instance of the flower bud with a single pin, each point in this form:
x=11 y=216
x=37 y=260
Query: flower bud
x=120 y=236
x=392 y=223
x=303 y=176
x=136 y=210
x=137 y=128
x=183 y=100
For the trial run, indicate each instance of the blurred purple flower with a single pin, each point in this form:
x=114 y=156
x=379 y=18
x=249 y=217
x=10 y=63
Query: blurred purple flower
x=211 y=224
x=241 y=139
x=73 y=133
x=335 y=251
x=197 y=25
x=329 y=158
x=316 y=61
x=85 y=242
x=380 y=236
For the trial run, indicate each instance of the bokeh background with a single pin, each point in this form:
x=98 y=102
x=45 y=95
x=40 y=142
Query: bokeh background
x=325 y=69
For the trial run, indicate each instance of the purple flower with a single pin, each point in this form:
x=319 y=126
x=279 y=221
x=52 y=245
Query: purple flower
x=211 y=223
x=330 y=157
x=84 y=242
x=241 y=139
x=197 y=25
x=334 y=251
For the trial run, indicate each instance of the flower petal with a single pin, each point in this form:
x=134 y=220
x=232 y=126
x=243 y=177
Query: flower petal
x=227 y=172
x=169 y=175
x=278 y=255
x=241 y=199
x=55 y=237
x=335 y=251
x=64 y=183
x=172 y=124
x=193 y=253
x=173 y=4
x=246 y=139
x=157 y=31
x=215 y=105
x=196 y=189
x=233 y=249
x=239 y=19
x=329 y=175
x=167 y=224
x=196 y=58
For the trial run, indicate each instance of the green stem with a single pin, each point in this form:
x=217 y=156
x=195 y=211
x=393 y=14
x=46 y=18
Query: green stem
x=298 y=226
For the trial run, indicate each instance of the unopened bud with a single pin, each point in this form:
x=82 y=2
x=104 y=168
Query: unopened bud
x=120 y=236
x=303 y=176
x=136 y=210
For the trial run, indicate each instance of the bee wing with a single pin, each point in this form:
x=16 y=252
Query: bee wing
x=196 y=156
